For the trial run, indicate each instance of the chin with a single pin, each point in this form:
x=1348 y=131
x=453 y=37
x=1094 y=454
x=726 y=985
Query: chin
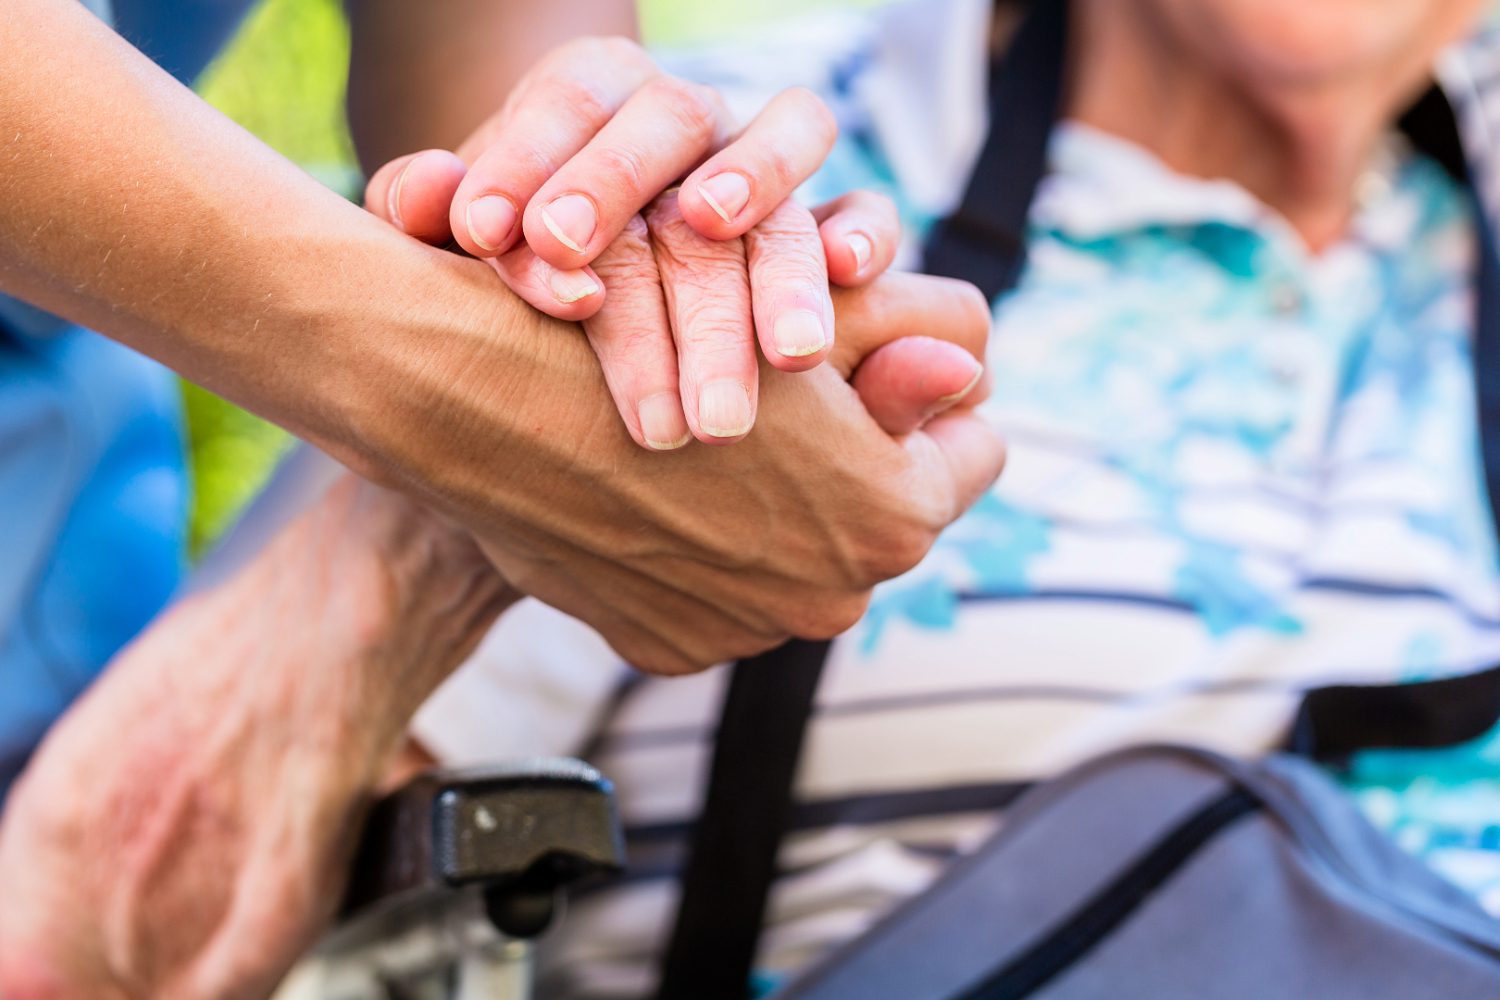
x=1306 y=43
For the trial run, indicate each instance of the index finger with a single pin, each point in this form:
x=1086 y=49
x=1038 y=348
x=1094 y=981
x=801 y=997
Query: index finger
x=558 y=111
x=744 y=182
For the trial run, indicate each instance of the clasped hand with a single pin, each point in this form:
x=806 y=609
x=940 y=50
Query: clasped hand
x=561 y=192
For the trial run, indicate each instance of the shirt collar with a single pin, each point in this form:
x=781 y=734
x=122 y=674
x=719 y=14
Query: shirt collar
x=1101 y=185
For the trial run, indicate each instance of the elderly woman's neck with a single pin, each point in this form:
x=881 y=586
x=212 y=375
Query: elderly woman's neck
x=1300 y=149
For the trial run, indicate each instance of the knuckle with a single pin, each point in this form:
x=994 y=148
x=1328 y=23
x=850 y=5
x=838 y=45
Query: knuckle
x=691 y=106
x=664 y=218
x=880 y=207
x=900 y=549
x=789 y=267
x=719 y=346
x=619 y=169
x=678 y=245
x=974 y=308
x=814 y=109
x=587 y=101
x=628 y=257
x=829 y=617
x=621 y=50
x=788 y=220
x=780 y=169
x=584 y=100
x=594 y=51
x=523 y=160
x=627 y=272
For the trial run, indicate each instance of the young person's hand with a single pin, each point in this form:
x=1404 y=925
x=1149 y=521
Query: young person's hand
x=689 y=369
x=595 y=130
x=179 y=235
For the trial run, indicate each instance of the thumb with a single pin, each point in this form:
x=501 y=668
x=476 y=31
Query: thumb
x=909 y=381
x=901 y=305
x=413 y=193
x=958 y=456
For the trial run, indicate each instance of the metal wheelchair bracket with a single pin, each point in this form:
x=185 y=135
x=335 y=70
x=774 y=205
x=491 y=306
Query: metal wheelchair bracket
x=457 y=868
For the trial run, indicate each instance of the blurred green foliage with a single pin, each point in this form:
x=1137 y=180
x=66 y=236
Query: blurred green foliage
x=683 y=22
x=282 y=78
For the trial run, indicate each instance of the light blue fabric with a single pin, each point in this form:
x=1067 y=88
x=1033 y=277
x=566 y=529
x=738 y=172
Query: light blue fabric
x=93 y=482
x=93 y=499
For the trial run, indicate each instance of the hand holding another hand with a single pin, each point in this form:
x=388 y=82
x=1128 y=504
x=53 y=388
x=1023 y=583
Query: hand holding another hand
x=593 y=136
x=685 y=559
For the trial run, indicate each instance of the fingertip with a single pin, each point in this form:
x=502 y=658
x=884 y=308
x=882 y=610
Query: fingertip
x=717 y=202
x=911 y=380
x=419 y=197
x=707 y=222
x=572 y=295
x=855 y=255
x=794 y=366
x=578 y=288
x=799 y=339
x=661 y=422
x=850 y=256
x=562 y=231
x=485 y=224
x=378 y=188
x=981 y=391
x=725 y=412
x=861 y=234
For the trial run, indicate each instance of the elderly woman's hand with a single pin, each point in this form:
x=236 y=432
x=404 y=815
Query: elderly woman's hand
x=184 y=831
x=564 y=197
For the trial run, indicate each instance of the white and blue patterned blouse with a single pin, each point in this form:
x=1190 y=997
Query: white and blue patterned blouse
x=1238 y=469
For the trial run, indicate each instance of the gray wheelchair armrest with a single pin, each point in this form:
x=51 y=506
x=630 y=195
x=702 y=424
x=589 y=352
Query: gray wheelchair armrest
x=517 y=835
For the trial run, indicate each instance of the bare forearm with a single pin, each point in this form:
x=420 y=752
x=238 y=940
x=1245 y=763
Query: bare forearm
x=129 y=205
x=425 y=75
x=227 y=756
x=376 y=598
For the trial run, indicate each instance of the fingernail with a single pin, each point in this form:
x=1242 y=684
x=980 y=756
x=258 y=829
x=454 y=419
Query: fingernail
x=862 y=248
x=570 y=286
x=727 y=194
x=662 y=423
x=490 y=220
x=571 y=219
x=393 y=200
x=724 y=409
x=944 y=402
x=798 y=333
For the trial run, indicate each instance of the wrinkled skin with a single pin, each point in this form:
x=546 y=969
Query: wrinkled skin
x=185 y=830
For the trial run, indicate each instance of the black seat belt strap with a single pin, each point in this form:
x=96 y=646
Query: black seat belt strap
x=984 y=240
x=732 y=861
